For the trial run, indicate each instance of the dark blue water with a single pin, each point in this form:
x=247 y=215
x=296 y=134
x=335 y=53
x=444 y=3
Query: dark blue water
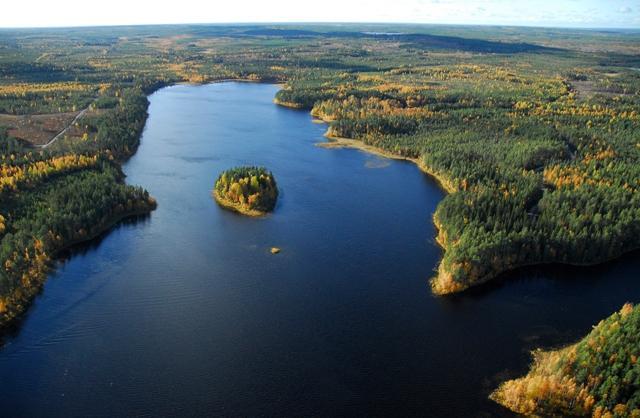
x=187 y=313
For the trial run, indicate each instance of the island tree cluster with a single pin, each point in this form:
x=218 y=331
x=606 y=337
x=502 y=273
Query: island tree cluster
x=248 y=190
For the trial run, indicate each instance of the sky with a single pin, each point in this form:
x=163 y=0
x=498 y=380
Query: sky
x=557 y=13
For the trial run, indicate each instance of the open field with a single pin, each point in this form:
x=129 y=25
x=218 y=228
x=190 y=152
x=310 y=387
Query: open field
x=36 y=129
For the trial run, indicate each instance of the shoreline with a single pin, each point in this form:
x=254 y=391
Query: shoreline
x=497 y=274
x=222 y=80
x=336 y=142
x=289 y=105
x=339 y=142
x=18 y=305
x=444 y=183
x=107 y=225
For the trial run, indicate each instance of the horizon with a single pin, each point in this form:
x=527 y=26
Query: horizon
x=561 y=14
x=321 y=23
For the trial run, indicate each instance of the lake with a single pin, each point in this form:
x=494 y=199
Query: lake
x=186 y=312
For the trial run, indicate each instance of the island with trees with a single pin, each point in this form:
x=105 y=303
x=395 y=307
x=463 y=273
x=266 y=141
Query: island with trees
x=251 y=191
x=598 y=376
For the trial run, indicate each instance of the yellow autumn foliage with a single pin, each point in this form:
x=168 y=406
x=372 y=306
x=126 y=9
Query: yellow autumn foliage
x=11 y=176
x=21 y=89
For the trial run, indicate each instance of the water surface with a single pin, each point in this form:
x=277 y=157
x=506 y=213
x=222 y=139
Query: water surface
x=186 y=312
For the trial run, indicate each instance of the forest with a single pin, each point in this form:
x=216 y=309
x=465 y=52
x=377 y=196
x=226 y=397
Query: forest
x=537 y=172
x=71 y=192
x=248 y=190
x=597 y=376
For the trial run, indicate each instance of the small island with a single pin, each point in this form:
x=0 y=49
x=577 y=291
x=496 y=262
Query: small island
x=251 y=191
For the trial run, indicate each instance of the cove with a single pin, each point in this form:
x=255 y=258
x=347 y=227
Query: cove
x=186 y=312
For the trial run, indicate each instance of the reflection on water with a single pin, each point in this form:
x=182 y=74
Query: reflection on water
x=377 y=162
